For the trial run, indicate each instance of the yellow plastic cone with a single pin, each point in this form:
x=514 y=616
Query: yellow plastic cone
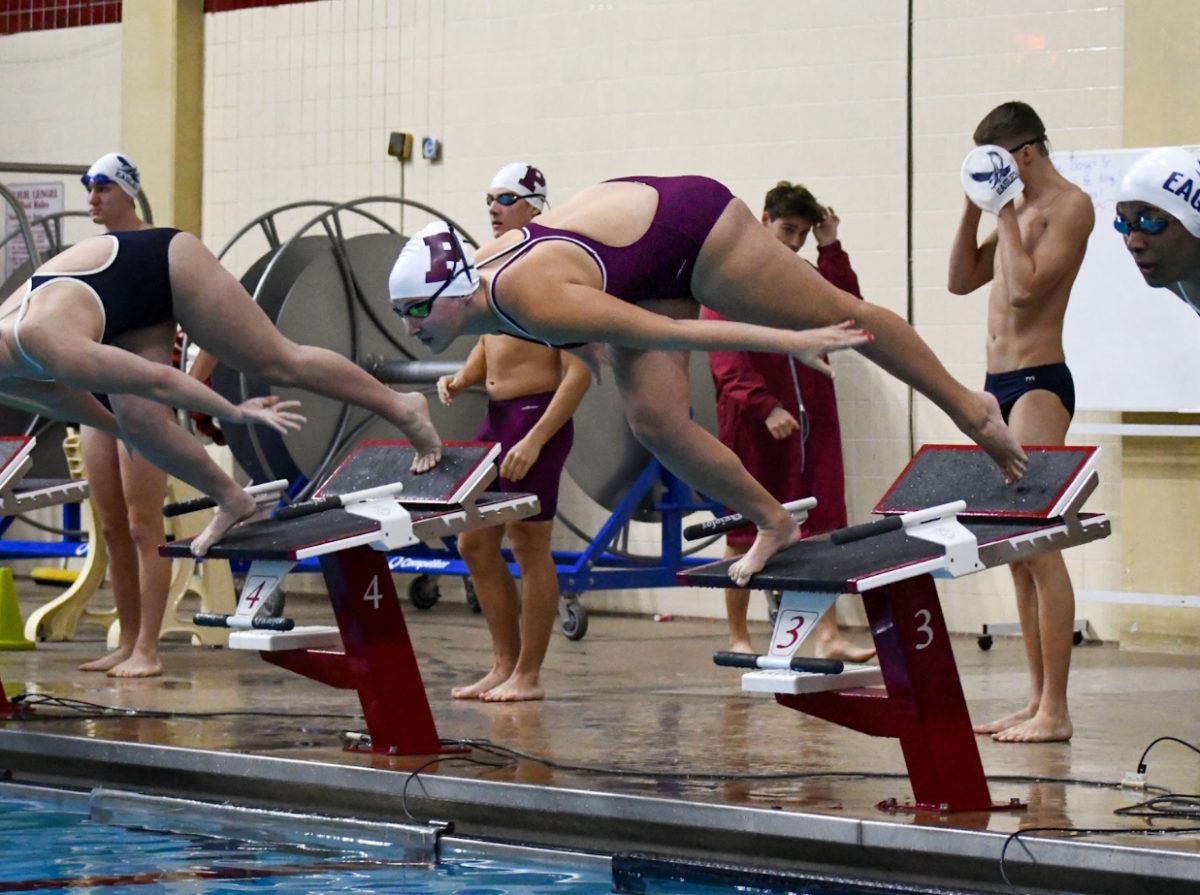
x=12 y=629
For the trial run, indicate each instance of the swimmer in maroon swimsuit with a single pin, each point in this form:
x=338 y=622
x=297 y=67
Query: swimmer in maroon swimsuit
x=533 y=391
x=625 y=263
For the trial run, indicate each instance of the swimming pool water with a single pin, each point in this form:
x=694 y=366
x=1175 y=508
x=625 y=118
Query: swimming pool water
x=47 y=847
x=52 y=845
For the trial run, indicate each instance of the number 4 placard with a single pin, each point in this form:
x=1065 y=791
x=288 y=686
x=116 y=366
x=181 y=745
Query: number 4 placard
x=262 y=580
x=799 y=613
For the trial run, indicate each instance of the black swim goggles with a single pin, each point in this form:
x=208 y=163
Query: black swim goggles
x=1150 y=226
x=1032 y=142
x=507 y=199
x=419 y=310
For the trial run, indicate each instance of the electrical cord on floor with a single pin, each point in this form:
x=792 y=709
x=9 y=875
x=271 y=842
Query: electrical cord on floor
x=1164 y=806
x=94 y=710
x=414 y=775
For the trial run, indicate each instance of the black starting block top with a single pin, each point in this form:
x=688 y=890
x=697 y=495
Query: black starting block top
x=942 y=473
x=442 y=502
x=1009 y=522
x=374 y=463
x=296 y=538
x=817 y=564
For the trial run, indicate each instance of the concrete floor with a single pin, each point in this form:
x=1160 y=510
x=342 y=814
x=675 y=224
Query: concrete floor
x=643 y=744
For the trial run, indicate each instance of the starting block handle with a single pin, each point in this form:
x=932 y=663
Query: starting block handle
x=221 y=620
x=794 y=663
x=195 y=504
x=893 y=523
x=866 y=530
x=336 y=501
x=737 y=520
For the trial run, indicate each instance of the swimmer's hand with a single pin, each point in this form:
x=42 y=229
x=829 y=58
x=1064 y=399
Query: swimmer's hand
x=814 y=344
x=448 y=388
x=271 y=411
x=520 y=459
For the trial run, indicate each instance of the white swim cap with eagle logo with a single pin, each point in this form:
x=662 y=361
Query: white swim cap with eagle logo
x=1167 y=178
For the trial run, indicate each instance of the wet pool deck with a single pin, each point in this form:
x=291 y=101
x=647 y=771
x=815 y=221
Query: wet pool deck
x=642 y=745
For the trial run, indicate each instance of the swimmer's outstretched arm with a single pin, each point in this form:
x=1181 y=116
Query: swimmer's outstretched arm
x=57 y=401
x=93 y=367
x=576 y=313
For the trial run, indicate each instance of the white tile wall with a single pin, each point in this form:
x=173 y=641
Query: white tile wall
x=300 y=100
x=60 y=101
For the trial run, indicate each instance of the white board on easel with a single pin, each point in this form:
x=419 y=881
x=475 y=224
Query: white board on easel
x=1130 y=347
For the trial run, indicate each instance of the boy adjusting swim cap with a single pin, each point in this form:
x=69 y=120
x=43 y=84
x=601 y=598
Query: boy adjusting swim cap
x=114 y=168
x=434 y=261
x=525 y=180
x=1168 y=178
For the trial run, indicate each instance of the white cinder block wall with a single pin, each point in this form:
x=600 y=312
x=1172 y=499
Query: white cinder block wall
x=300 y=99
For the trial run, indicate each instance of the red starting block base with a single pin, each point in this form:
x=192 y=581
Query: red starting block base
x=377 y=659
x=923 y=705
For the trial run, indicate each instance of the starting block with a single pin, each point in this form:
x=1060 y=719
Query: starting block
x=369 y=505
x=19 y=494
x=948 y=514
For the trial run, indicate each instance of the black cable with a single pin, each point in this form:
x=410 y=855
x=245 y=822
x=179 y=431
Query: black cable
x=413 y=775
x=1075 y=832
x=54 y=530
x=95 y=710
x=1165 y=806
x=485 y=745
x=1141 y=769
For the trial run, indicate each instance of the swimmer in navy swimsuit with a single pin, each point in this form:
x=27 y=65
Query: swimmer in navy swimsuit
x=1031 y=259
x=102 y=319
x=1009 y=387
x=624 y=263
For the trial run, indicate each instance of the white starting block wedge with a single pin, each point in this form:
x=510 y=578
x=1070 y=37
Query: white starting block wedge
x=778 y=680
x=315 y=637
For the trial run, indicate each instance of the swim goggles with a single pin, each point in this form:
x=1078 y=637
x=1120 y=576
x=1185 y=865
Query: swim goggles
x=507 y=199
x=1151 y=226
x=96 y=180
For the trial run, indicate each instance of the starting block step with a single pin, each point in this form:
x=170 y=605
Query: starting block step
x=797 y=682
x=302 y=637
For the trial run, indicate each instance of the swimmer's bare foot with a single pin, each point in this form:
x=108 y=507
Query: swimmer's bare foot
x=413 y=419
x=768 y=542
x=518 y=688
x=493 y=678
x=740 y=645
x=239 y=508
x=138 y=665
x=1041 y=728
x=1006 y=722
x=112 y=660
x=986 y=427
x=841 y=648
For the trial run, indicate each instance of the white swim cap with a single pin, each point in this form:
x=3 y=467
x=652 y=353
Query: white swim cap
x=525 y=180
x=1168 y=178
x=433 y=262
x=114 y=168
